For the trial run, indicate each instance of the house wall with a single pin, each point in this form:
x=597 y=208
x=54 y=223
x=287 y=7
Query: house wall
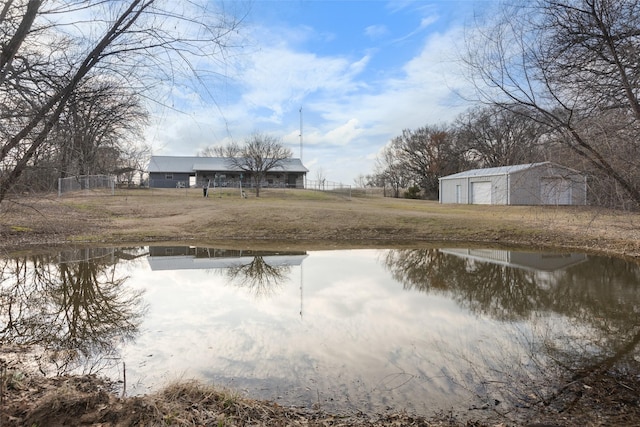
x=295 y=180
x=272 y=179
x=162 y=180
x=199 y=171
x=283 y=180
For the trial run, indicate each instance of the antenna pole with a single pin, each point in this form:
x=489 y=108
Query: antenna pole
x=301 y=133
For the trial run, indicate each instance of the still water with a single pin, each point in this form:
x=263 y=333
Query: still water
x=348 y=330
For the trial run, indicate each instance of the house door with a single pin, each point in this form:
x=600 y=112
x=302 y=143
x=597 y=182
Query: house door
x=458 y=193
x=291 y=180
x=481 y=193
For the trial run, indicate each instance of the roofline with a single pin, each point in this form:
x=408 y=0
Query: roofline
x=206 y=157
x=531 y=166
x=203 y=159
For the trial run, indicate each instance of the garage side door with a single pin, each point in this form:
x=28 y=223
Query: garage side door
x=481 y=193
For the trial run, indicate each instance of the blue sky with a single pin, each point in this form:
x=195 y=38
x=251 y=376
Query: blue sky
x=362 y=71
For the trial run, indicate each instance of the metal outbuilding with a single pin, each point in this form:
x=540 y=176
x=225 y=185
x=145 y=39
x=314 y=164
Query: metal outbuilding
x=543 y=183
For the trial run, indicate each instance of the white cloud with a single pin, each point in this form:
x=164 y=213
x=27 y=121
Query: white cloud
x=419 y=95
x=349 y=114
x=278 y=77
x=359 y=66
x=342 y=135
x=428 y=20
x=376 y=31
x=424 y=23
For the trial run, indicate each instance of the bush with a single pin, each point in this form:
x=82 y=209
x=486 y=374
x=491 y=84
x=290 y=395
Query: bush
x=412 y=192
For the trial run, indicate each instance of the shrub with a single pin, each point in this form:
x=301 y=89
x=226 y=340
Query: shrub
x=412 y=192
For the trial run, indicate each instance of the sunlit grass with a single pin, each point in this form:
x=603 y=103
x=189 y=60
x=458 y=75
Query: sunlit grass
x=315 y=218
x=20 y=229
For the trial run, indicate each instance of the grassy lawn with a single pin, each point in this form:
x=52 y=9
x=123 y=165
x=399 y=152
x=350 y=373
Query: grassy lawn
x=309 y=219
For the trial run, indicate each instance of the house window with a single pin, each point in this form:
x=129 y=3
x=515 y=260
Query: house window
x=168 y=176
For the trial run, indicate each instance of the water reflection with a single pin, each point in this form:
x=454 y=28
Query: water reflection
x=72 y=305
x=505 y=285
x=260 y=272
x=581 y=317
x=411 y=329
x=194 y=258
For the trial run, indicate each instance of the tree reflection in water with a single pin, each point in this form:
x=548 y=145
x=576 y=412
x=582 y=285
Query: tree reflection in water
x=75 y=310
x=597 y=304
x=259 y=277
x=566 y=324
x=502 y=292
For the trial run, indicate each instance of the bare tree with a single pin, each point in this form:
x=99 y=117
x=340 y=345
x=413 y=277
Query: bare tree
x=496 y=137
x=134 y=157
x=362 y=180
x=390 y=170
x=572 y=66
x=321 y=177
x=212 y=151
x=100 y=132
x=260 y=154
x=427 y=154
x=47 y=50
x=99 y=118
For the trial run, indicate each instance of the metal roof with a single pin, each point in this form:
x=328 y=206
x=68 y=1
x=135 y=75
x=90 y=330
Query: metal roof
x=500 y=170
x=188 y=262
x=186 y=164
x=171 y=164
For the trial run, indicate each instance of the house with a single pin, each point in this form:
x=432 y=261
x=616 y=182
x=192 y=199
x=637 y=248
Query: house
x=544 y=183
x=198 y=258
x=183 y=171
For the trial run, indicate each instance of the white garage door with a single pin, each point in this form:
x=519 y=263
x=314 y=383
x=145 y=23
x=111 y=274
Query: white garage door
x=481 y=193
x=555 y=191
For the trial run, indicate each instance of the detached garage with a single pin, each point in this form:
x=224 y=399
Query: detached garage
x=544 y=183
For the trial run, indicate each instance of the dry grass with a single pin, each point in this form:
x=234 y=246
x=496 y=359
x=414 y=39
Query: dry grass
x=31 y=400
x=87 y=400
x=308 y=220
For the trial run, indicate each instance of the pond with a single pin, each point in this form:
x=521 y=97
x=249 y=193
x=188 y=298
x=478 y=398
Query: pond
x=346 y=330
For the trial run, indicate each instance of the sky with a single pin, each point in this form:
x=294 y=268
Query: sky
x=348 y=76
